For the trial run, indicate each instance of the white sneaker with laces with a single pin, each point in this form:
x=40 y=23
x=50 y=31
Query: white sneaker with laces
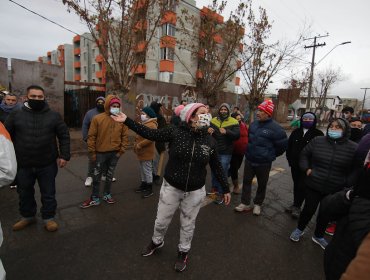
x=256 y=210
x=88 y=181
x=243 y=208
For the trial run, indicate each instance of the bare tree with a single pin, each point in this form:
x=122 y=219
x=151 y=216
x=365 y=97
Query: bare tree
x=263 y=60
x=215 y=45
x=325 y=81
x=122 y=31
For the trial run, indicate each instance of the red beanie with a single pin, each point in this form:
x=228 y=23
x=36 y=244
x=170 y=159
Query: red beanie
x=115 y=100
x=267 y=106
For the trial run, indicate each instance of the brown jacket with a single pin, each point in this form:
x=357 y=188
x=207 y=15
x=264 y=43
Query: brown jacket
x=359 y=268
x=144 y=148
x=106 y=135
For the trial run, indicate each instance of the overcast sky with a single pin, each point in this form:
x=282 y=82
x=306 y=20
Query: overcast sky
x=27 y=36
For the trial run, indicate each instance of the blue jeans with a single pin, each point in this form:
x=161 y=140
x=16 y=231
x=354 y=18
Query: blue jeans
x=104 y=161
x=225 y=162
x=26 y=179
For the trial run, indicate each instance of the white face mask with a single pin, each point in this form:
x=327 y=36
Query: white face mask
x=204 y=120
x=114 y=111
x=144 y=118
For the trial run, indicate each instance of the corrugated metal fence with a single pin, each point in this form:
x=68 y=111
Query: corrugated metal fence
x=77 y=103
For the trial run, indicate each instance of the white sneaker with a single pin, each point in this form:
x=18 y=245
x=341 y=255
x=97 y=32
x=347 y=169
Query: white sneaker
x=103 y=178
x=256 y=210
x=88 y=182
x=13 y=186
x=243 y=208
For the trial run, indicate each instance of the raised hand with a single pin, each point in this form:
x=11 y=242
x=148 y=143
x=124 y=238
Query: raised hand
x=120 y=117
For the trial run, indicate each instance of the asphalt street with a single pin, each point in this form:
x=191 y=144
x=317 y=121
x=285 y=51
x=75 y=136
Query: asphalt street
x=105 y=242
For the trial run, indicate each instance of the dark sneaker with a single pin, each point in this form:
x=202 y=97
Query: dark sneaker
x=182 y=258
x=320 y=241
x=90 y=202
x=148 y=193
x=108 y=198
x=151 y=248
x=219 y=199
x=296 y=235
x=141 y=188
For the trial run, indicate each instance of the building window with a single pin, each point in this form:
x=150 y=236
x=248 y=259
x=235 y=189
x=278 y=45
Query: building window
x=85 y=70
x=93 y=53
x=166 y=77
x=168 y=30
x=93 y=68
x=93 y=80
x=167 y=53
x=85 y=56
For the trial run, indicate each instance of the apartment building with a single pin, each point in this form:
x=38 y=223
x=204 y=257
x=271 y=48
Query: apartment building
x=167 y=60
x=164 y=60
x=62 y=56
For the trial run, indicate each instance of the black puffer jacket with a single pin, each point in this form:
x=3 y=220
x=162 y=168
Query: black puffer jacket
x=331 y=161
x=35 y=133
x=297 y=141
x=351 y=229
x=190 y=152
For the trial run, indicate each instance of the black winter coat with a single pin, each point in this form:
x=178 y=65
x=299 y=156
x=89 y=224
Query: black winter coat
x=351 y=229
x=332 y=163
x=190 y=152
x=297 y=141
x=34 y=135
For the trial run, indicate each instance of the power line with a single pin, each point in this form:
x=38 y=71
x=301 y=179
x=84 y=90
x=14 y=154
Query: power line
x=45 y=18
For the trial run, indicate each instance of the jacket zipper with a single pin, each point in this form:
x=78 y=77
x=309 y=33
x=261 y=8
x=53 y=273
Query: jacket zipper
x=187 y=179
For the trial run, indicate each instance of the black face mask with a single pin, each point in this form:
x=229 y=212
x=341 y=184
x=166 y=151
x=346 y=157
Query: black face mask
x=356 y=134
x=36 y=105
x=100 y=107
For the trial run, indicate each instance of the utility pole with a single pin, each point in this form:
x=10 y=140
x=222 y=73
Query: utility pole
x=363 y=102
x=314 y=46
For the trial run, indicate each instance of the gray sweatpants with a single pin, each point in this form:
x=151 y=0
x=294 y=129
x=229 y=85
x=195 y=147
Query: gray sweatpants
x=189 y=203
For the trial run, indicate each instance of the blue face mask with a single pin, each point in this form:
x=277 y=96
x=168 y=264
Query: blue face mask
x=335 y=134
x=114 y=111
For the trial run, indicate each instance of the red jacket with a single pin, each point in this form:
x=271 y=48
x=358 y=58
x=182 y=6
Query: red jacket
x=240 y=145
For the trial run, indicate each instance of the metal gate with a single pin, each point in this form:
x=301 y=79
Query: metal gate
x=76 y=103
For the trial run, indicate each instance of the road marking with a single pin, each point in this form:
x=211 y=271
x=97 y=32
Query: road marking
x=273 y=171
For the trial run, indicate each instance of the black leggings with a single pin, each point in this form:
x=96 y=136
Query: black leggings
x=312 y=200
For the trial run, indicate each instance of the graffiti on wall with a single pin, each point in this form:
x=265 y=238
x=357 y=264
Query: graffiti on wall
x=169 y=103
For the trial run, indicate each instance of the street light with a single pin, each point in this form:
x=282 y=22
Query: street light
x=344 y=43
x=308 y=105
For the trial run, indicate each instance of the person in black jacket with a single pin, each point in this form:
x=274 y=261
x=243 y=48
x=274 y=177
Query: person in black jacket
x=328 y=162
x=351 y=209
x=299 y=138
x=191 y=150
x=35 y=129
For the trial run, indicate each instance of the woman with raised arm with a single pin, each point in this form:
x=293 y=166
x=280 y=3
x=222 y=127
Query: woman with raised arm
x=191 y=149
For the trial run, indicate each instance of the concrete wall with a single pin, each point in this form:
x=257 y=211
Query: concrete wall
x=144 y=91
x=4 y=77
x=50 y=77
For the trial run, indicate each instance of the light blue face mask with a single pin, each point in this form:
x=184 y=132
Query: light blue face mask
x=335 y=134
x=114 y=111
